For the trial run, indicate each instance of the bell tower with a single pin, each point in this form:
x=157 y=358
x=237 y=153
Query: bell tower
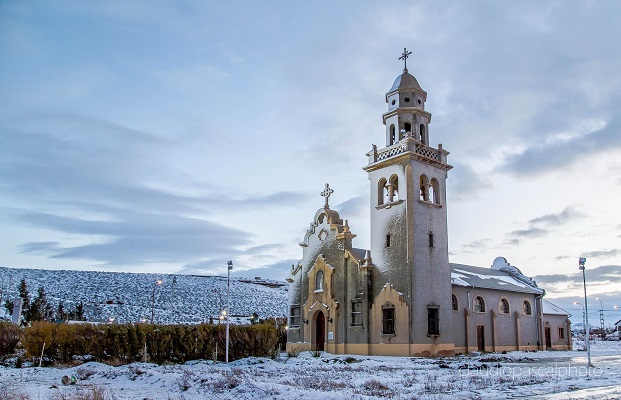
x=409 y=235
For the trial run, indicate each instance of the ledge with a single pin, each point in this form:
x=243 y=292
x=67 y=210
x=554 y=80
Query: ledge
x=430 y=204
x=318 y=291
x=388 y=205
x=388 y=334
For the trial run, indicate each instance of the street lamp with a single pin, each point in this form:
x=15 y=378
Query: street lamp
x=228 y=304
x=156 y=284
x=581 y=262
x=601 y=318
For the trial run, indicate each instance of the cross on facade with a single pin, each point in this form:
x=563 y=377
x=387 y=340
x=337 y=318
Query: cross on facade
x=404 y=57
x=326 y=193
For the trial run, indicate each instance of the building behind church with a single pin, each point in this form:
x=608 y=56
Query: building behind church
x=403 y=296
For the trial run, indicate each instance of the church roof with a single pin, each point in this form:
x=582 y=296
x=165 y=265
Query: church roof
x=550 y=308
x=358 y=253
x=489 y=278
x=405 y=81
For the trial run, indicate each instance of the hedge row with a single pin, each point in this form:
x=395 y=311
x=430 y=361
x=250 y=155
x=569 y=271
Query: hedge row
x=164 y=343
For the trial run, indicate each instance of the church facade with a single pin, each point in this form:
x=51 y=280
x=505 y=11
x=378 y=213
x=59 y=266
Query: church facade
x=403 y=296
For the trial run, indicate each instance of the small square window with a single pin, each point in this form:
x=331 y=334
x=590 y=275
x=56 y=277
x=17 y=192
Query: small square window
x=387 y=240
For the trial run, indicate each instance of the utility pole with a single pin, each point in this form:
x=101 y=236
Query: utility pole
x=581 y=263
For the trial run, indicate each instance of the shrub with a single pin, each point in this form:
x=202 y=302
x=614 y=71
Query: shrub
x=122 y=344
x=9 y=337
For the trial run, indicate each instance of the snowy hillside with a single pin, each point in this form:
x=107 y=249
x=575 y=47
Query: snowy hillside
x=128 y=297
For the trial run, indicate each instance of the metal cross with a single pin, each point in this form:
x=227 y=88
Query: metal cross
x=404 y=57
x=326 y=193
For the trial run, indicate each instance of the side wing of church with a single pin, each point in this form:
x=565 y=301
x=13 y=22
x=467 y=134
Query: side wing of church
x=402 y=296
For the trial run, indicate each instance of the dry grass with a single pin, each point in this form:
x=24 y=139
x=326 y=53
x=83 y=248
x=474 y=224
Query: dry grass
x=90 y=392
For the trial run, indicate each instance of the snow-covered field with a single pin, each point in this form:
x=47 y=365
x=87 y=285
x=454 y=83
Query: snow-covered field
x=128 y=297
x=544 y=374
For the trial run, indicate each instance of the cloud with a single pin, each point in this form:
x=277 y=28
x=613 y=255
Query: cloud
x=466 y=183
x=477 y=244
x=136 y=238
x=532 y=232
x=601 y=253
x=567 y=215
x=599 y=276
x=555 y=155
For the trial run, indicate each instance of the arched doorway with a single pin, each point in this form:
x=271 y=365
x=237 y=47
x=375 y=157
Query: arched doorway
x=320 y=331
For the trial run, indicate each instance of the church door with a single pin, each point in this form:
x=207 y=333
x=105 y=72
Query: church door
x=480 y=337
x=320 y=331
x=548 y=339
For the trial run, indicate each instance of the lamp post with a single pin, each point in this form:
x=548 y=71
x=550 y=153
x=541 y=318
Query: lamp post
x=228 y=304
x=581 y=262
x=156 y=284
x=602 y=334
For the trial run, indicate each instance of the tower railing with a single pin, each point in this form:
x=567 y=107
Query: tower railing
x=405 y=145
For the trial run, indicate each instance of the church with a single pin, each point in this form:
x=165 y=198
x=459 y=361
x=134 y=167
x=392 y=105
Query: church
x=402 y=296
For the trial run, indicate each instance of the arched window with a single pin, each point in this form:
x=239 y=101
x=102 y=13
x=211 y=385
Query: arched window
x=479 y=304
x=381 y=191
x=393 y=189
x=392 y=135
x=434 y=195
x=319 y=280
x=424 y=188
x=408 y=129
x=526 y=308
x=504 y=306
x=455 y=304
x=423 y=138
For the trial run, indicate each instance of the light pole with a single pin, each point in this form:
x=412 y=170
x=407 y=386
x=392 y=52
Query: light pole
x=228 y=304
x=581 y=263
x=156 y=284
x=602 y=334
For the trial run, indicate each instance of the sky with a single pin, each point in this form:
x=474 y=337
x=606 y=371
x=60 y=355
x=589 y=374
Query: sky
x=170 y=137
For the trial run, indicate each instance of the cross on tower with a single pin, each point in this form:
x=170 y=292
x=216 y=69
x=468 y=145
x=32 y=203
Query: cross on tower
x=326 y=193
x=404 y=57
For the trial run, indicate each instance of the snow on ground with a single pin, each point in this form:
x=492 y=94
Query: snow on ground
x=544 y=374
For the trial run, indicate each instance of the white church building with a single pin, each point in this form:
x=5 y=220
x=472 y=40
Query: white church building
x=403 y=296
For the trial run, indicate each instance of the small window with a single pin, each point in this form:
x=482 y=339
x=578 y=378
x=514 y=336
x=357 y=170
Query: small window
x=393 y=102
x=407 y=99
x=430 y=239
x=392 y=135
x=319 y=281
x=356 y=313
x=387 y=240
x=455 y=304
x=479 y=304
x=423 y=138
x=294 y=316
x=526 y=308
x=504 y=306
x=408 y=128
x=420 y=102
x=433 y=321
x=561 y=333
x=388 y=320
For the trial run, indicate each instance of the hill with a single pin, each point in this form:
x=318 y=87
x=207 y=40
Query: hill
x=128 y=297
